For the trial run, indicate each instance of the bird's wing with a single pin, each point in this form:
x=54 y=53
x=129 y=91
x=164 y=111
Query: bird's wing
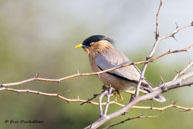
x=112 y=58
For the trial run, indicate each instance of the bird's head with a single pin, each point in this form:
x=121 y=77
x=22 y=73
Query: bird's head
x=96 y=44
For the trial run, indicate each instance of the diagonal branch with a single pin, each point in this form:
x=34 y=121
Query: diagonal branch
x=128 y=119
x=172 y=34
x=164 y=108
x=183 y=71
x=157 y=21
x=36 y=78
x=151 y=53
x=109 y=94
x=161 y=89
x=158 y=39
x=94 y=103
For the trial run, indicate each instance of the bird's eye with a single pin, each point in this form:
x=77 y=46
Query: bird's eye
x=91 y=43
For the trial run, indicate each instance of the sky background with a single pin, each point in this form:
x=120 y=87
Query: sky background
x=130 y=24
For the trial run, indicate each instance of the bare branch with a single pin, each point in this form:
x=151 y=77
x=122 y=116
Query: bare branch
x=109 y=94
x=175 y=31
x=94 y=73
x=157 y=21
x=151 y=53
x=45 y=94
x=105 y=92
x=164 y=108
x=128 y=119
x=170 y=52
x=89 y=100
x=162 y=88
x=183 y=71
x=92 y=102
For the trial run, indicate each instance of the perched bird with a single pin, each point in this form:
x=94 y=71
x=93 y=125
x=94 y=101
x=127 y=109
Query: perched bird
x=102 y=56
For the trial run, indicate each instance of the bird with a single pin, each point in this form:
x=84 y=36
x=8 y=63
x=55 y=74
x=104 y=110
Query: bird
x=103 y=55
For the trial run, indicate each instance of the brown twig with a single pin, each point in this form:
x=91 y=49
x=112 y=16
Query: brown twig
x=36 y=78
x=128 y=119
x=157 y=21
x=164 y=108
x=161 y=89
x=104 y=93
x=95 y=103
x=90 y=99
x=151 y=53
x=172 y=34
x=183 y=71
x=109 y=94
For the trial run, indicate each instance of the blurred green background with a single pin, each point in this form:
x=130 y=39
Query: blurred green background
x=39 y=37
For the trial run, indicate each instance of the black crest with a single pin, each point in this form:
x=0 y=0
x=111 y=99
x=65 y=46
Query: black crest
x=96 y=38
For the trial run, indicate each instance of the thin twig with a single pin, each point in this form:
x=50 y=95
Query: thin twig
x=161 y=89
x=128 y=119
x=105 y=92
x=164 y=108
x=172 y=34
x=90 y=99
x=157 y=21
x=94 y=73
x=109 y=94
x=183 y=71
x=95 y=103
x=151 y=53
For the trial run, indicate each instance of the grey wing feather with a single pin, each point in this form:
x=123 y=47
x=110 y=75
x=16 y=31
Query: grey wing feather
x=112 y=58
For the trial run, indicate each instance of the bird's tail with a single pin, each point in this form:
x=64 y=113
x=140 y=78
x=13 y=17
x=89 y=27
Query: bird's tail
x=149 y=89
x=160 y=98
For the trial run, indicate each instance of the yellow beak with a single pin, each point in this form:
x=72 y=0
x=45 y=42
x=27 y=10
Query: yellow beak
x=78 y=46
